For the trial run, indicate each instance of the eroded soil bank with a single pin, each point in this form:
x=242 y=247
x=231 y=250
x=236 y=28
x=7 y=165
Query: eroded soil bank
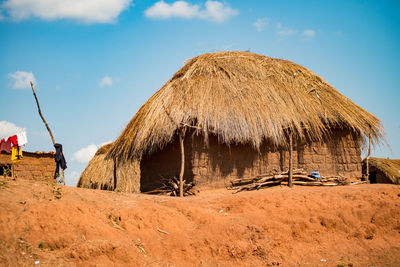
x=65 y=226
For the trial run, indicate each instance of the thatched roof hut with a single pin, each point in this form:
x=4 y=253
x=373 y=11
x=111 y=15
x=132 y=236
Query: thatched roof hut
x=101 y=173
x=239 y=107
x=243 y=98
x=383 y=170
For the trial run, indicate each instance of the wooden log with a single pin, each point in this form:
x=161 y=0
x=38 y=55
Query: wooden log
x=303 y=183
x=256 y=186
x=272 y=174
x=245 y=181
x=330 y=184
x=295 y=171
x=295 y=177
x=303 y=177
x=270 y=182
x=158 y=191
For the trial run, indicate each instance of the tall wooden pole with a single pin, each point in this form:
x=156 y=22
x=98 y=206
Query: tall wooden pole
x=290 y=183
x=115 y=174
x=47 y=126
x=181 y=142
x=40 y=113
x=367 y=160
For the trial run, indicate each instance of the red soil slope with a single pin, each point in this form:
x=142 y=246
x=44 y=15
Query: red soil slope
x=355 y=225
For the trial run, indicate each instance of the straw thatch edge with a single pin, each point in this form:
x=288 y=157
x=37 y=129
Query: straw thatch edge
x=390 y=167
x=196 y=96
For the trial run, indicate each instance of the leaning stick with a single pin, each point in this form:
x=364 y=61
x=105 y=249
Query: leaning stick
x=40 y=113
x=47 y=126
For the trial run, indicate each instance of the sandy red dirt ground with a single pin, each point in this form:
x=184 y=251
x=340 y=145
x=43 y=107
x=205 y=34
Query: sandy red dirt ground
x=356 y=225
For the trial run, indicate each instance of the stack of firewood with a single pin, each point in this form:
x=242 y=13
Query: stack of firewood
x=274 y=178
x=171 y=187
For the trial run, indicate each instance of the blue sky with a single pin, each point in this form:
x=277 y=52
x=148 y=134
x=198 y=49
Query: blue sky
x=96 y=62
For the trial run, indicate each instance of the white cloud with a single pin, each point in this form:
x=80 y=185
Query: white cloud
x=86 y=11
x=21 y=79
x=181 y=9
x=8 y=129
x=72 y=178
x=261 y=24
x=308 y=33
x=85 y=154
x=213 y=11
x=217 y=11
x=284 y=31
x=106 y=81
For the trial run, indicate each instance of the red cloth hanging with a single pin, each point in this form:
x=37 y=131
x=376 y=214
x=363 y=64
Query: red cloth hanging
x=5 y=145
x=13 y=139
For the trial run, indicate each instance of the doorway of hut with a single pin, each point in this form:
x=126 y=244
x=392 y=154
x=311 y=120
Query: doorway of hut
x=372 y=177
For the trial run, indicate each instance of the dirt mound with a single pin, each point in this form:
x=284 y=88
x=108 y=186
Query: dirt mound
x=64 y=226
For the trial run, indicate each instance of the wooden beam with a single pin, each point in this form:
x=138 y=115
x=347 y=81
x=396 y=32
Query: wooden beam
x=181 y=142
x=367 y=160
x=115 y=173
x=290 y=182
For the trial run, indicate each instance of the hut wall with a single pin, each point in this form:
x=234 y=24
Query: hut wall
x=214 y=165
x=31 y=166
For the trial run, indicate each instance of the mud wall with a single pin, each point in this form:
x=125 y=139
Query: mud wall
x=31 y=166
x=213 y=165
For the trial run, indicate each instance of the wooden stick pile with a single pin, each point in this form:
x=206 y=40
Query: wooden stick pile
x=172 y=187
x=274 y=178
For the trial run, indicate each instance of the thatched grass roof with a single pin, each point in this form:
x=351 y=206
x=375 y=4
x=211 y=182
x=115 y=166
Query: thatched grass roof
x=99 y=172
x=242 y=98
x=390 y=167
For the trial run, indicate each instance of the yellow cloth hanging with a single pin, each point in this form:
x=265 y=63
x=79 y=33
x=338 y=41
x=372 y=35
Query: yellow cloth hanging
x=16 y=153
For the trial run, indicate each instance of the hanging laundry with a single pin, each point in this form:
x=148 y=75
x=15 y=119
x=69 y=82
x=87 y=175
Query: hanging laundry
x=5 y=145
x=60 y=160
x=21 y=138
x=16 y=153
x=14 y=140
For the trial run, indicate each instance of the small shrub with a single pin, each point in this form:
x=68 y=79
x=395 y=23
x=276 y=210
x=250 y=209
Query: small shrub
x=41 y=245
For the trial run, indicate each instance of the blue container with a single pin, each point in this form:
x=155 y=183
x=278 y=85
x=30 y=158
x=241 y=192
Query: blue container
x=315 y=175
